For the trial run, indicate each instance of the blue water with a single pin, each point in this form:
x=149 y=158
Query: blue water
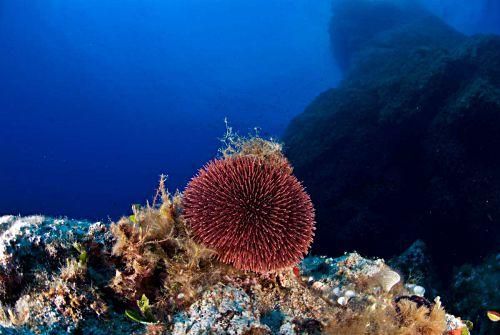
x=98 y=98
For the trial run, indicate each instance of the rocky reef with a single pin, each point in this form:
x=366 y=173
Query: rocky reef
x=474 y=289
x=401 y=159
x=61 y=289
x=152 y=273
x=406 y=147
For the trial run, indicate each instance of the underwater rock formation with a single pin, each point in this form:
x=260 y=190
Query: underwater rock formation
x=148 y=274
x=41 y=242
x=47 y=286
x=321 y=296
x=406 y=147
x=418 y=268
x=475 y=290
x=356 y=23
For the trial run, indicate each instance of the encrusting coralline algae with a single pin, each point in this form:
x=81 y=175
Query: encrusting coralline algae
x=149 y=274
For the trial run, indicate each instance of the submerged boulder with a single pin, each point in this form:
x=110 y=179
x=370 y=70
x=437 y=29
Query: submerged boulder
x=406 y=147
x=475 y=290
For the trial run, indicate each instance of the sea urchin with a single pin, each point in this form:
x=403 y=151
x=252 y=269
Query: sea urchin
x=254 y=213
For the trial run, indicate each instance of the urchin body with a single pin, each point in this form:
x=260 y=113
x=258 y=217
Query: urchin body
x=255 y=214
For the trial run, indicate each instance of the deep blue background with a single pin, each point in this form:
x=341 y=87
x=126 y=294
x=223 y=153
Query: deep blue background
x=99 y=97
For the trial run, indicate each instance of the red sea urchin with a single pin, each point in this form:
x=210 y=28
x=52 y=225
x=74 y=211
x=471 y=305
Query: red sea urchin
x=254 y=213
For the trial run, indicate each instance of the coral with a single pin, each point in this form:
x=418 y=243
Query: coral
x=252 y=211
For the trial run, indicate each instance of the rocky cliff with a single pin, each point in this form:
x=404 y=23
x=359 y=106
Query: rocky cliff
x=406 y=147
